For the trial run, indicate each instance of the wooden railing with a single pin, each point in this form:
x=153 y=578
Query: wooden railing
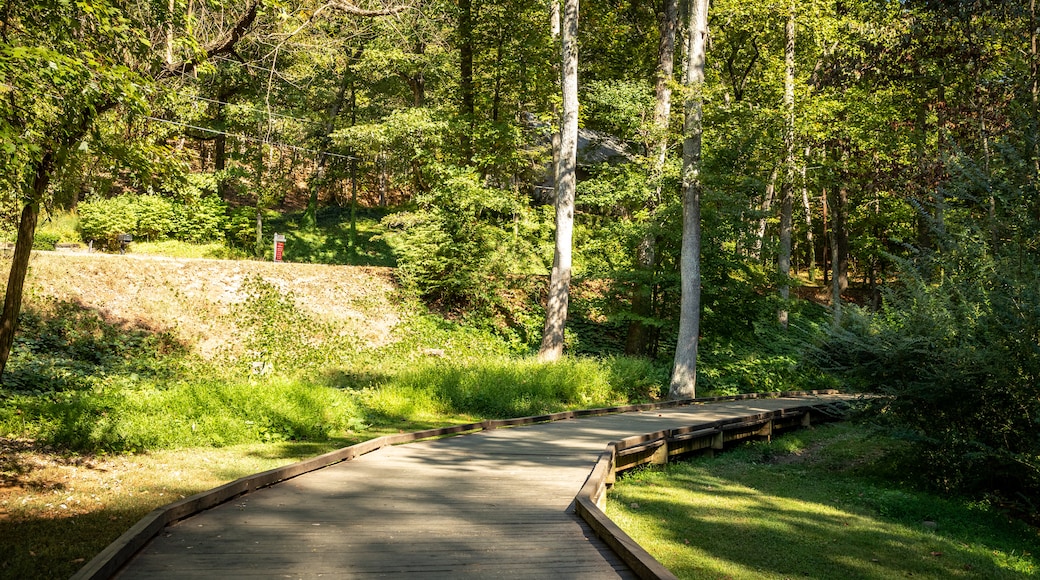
x=657 y=449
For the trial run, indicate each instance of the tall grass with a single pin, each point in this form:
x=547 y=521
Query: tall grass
x=195 y=413
x=501 y=388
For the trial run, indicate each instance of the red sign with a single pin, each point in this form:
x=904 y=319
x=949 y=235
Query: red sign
x=279 y=247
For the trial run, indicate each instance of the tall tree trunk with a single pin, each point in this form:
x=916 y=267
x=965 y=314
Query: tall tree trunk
x=787 y=188
x=1034 y=89
x=827 y=238
x=807 y=208
x=220 y=151
x=466 y=75
x=22 y=252
x=637 y=341
x=839 y=248
x=684 y=372
x=352 y=240
x=560 y=280
x=767 y=204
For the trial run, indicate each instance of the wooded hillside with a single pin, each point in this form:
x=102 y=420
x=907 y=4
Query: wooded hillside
x=887 y=145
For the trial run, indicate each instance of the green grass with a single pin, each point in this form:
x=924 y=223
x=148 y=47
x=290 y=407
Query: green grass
x=329 y=241
x=824 y=503
x=178 y=249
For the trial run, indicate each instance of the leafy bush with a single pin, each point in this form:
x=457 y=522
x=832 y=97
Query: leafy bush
x=275 y=335
x=104 y=220
x=45 y=240
x=152 y=218
x=201 y=221
x=457 y=249
x=957 y=363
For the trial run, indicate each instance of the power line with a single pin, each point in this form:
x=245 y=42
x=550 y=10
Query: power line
x=254 y=109
x=248 y=138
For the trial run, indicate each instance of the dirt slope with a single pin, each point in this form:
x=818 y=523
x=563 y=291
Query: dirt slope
x=191 y=297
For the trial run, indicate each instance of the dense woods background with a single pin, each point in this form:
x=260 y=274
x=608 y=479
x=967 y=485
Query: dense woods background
x=882 y=150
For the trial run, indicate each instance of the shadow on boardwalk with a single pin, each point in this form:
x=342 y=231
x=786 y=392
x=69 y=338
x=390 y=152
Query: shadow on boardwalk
x=494 y=503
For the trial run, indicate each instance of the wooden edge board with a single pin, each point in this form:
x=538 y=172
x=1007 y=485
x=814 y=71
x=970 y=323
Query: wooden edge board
x=587 y=502
x=639 y=440
x=653 y=445
x=108 y=561
x=697 y=434
x=585 y=505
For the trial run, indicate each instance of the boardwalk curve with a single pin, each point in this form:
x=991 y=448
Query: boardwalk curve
x=494 y=503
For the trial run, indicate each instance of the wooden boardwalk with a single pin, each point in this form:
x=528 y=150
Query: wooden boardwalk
x=497 y=503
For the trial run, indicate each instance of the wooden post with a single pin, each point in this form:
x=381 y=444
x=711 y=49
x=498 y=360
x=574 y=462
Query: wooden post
x=718 y=441
x=660 y=456
x=767 y=430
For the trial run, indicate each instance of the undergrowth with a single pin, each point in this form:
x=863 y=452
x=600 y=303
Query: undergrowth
x=80 y=382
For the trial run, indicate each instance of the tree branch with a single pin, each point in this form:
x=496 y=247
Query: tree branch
x=223 y=46
x=344 y=6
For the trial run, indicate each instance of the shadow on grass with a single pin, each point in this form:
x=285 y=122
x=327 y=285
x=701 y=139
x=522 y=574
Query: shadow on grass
x=818 y=519
x=329 y=241
x=797 y=537
x=58 y=544
x=66 y=345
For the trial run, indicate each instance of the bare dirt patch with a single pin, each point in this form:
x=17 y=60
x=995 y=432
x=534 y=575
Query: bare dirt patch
x=190 y=298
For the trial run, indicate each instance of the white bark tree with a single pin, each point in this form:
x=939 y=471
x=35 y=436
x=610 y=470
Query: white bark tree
x=684 y=372
x=787 y=188
x=560 y=279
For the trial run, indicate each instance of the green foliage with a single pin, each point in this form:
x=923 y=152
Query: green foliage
x=178 y=249
x=104 y=220
x=329 y=241
x=45 y=240
x=57 y=227
x=152 y=218
x=958 y=366
x=178 y=414
x=63 y=346
x=504 y=388
x=457 y=249
x=274 y=333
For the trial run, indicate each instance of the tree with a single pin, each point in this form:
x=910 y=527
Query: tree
x=64 y=65
x=684 y=372
x=787 y=188
x=646 y=252
x=560 y=278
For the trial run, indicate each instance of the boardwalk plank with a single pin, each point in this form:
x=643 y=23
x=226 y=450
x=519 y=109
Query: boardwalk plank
x=489 y=504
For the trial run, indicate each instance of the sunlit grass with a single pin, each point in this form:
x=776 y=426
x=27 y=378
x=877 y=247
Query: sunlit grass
x=178 y=249
x=813 y=510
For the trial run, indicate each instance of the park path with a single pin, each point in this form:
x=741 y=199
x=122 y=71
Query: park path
x=496 y=503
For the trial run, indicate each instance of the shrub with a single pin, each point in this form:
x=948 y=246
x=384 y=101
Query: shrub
x=202 y=221
x=958 y=366
x=152 y=218
x=456 y=251
x=104 y=220
x=45 y=240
